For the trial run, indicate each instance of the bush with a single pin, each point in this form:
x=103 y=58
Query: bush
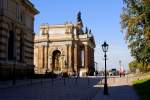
x=142 y=87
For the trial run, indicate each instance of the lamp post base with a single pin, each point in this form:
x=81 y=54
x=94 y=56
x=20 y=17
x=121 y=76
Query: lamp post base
x=105 y=89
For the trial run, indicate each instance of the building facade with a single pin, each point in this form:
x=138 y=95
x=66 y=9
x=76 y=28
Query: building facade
x=64 y=48
x=16 y=37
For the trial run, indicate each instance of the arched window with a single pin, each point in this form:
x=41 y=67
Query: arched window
x=11 y=45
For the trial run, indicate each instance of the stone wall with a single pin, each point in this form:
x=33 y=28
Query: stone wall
x=16 y=36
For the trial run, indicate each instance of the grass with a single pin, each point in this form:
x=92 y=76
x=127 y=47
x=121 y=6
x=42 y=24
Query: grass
x=142 y=87
x=143 y=74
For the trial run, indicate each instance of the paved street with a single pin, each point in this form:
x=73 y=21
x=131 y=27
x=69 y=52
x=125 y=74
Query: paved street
x=70 y=89
x=119 y=89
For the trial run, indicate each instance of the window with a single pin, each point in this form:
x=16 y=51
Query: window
x=6 y=4
x=11 y=45
x=82 y=57
x=22 y=17
x=17 y=11
x=1 y=3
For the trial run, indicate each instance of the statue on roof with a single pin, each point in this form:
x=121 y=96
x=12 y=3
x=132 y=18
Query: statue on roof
x=90 y=32
x=79 y=20
x=86 y=30
x=79 y=17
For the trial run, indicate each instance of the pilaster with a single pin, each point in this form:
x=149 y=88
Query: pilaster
x=76 y=57
x=17 y=43
x=46 y=57
x=41 y=57
x=50 y=63
x=86 y=57
x=70 y=57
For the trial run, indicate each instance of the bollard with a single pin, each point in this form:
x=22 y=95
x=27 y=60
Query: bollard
x=41 y=81
x=76 y=80
x=64 y=81
x=88 y=80
x=31 y=79
x=52 y=81
x=14 y=75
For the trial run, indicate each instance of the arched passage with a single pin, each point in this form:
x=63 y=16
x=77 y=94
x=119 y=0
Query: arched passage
x=56 y=61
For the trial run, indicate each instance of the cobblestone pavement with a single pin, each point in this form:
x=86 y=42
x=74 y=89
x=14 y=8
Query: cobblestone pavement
x=70 y=89
x=60 y=89
x=119 y=89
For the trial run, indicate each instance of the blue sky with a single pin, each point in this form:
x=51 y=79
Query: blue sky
x=102 y=16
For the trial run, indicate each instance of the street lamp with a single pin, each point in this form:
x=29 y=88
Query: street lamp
x=105 y=49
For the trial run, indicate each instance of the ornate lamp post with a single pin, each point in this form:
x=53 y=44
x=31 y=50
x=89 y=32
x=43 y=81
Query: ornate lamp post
x=105 y=49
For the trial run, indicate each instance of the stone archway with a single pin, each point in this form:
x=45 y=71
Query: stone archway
x=56 y=61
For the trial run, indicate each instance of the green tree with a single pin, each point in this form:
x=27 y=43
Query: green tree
x=133 y=66
x=135 y=23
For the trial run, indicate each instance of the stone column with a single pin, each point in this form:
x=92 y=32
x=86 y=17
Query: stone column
x=50 y=63
x=70 y=58
x=67 y=56
x=76 y=57
x=46 y=53
x=86 y=56
x=38 y=64
x=41 y=57
x=46 y=58
x=43 y=60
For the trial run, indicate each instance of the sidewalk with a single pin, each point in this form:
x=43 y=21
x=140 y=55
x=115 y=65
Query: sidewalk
x=119 y=89
x=9 y=83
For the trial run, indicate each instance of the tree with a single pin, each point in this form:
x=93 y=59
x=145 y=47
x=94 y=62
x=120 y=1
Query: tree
x=133 y=66
x=135 y=23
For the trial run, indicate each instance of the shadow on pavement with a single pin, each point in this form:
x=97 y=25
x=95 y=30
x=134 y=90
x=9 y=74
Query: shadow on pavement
x=122 y=92
x=61 y=89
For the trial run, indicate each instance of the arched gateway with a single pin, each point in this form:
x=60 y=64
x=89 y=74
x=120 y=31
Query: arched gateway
x=57 y=62
x=64 y=48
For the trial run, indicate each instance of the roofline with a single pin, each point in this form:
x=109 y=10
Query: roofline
x=30 y=4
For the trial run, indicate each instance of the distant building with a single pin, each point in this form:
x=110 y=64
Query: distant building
x=16 y=37
x=113 y=72
x=64 y=48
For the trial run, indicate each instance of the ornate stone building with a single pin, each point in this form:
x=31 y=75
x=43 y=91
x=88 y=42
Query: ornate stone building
x=16 y=37
x=64 y=48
